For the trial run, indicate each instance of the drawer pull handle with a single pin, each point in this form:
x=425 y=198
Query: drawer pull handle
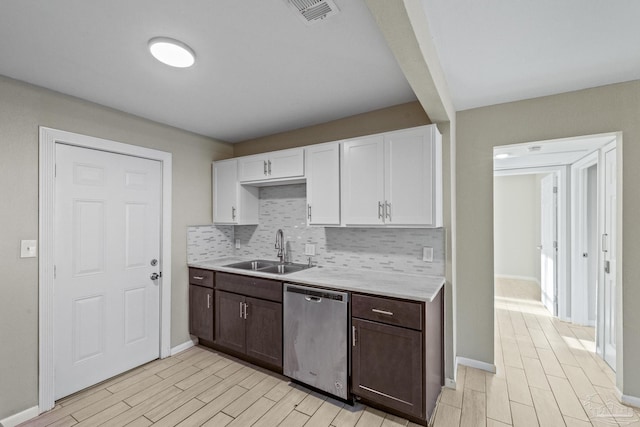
x=353 y=335
x=376 y=310
x=198 y=277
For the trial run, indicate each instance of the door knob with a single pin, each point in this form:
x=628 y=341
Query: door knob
x=154 y=276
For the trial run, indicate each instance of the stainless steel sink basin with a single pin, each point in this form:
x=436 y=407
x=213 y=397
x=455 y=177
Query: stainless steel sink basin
x=257 y=264
x=285 y=268
x=266 y=266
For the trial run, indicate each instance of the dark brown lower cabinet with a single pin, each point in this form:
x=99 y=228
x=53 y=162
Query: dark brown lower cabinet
x=249 y=326
x=201 y=312
x=387 y=366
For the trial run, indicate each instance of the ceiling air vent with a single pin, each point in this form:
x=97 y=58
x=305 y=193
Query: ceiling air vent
x=312 y=11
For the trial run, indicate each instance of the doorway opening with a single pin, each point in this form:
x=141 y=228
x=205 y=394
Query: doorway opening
x=555 y=235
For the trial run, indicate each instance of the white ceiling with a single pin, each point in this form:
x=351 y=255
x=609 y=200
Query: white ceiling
x=495 y=51
x=260 y=70
x=548 y=153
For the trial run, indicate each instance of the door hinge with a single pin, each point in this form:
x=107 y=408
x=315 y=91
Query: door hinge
x=555 y=244
x=555 y=189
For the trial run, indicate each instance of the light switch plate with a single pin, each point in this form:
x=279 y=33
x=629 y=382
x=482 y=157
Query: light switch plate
x=427 y=254
x=28 y=248
x=309 y=249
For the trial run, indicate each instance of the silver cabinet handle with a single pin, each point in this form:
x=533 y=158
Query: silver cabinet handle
x=208 y=300
x=233 y=212
x=241 y=310
x=245 y=310
x=387 y=209
x=198 y=277
x=380 y=215
x=353 y=335
x=605 y=243
x=309 y=212
x=385 y=312
x=269 y=162
x=265 y=167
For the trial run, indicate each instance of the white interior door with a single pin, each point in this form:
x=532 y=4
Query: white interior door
x=107 y=232
x=548 y=243
x=609 y=242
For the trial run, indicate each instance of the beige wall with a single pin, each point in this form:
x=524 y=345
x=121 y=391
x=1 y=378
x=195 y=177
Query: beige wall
x=592 y=111
x=516 y=219
x=391 y=118
x=22 y=109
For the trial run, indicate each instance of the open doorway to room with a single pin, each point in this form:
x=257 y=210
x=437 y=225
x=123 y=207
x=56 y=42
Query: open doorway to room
x=554 y=251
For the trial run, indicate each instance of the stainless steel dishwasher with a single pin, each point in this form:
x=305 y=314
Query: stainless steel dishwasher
x=316 y=335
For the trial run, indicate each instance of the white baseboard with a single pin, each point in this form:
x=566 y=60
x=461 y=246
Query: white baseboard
x=20 y=417
x=184 y=346
x=628 y=400
x=472 y=363
x=515 y=277
x=450 y=383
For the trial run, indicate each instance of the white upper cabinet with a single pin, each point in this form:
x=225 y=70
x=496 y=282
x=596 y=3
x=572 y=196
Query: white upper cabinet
x=232 y=203
x=393 y=179
x=363 y=181
x=323 y=184
x=276 y=165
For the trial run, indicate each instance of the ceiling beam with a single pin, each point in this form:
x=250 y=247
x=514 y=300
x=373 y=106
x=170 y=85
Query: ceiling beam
x=406 y=30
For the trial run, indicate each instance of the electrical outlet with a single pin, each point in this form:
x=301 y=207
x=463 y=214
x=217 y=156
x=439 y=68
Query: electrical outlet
x=309 y=249
x=28 y=248
x=427 y=254
x=237 y=243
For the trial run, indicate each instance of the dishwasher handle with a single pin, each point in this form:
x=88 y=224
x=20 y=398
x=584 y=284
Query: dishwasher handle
x=313 y=299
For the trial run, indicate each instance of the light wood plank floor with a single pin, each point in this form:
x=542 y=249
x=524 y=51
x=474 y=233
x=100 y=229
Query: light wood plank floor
x=201 y=387
x=547 y=373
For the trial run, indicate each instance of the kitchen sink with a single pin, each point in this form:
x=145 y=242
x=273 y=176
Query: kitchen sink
x=285 y=268
x=266 y=266
x=257 y=264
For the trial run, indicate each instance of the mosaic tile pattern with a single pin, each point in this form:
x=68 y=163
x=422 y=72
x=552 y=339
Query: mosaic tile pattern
x=284 y=206
x=209 y=242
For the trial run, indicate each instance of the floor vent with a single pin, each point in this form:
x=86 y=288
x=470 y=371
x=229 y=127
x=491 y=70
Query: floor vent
x=312 y=11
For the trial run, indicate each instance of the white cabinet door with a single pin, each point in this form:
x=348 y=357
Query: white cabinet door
x=252 y=168
x=232 y=203
x=363 y=181
x=286 y=164
x=225 y=192
x=269 y=166
x=323 y=184
x=410 y=178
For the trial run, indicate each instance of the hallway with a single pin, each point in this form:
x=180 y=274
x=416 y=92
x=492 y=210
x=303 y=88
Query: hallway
x=547 y=373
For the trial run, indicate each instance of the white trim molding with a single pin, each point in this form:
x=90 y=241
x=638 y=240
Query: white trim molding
x=627 y=400
x=516 y=277
x=20 y=417
x=46 y=230
x=472 y=363
x=184 y=346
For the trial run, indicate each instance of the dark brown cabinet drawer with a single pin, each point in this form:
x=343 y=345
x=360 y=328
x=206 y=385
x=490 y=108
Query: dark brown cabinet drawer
x=250 y=286
x=198 y=276
x=390 y=311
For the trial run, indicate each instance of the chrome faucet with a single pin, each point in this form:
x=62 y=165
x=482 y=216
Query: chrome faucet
x=280 y=245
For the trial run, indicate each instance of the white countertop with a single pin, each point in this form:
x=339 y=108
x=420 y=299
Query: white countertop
x=396 y=285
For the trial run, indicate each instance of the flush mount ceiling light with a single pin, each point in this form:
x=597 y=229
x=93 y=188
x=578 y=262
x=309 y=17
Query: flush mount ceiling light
x=502 y=156
x=172 y=52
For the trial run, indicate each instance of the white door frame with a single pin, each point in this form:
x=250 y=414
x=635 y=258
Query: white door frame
x=579 y=234
x=600 y=344
x=46 y=230
x=564 y=233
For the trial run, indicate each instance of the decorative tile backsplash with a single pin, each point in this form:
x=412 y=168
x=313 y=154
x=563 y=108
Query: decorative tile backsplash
x=284 y=206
